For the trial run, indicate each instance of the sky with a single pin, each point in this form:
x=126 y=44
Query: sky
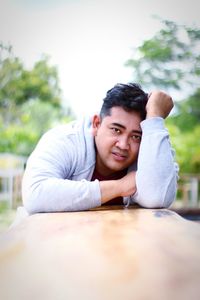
x=88 y=40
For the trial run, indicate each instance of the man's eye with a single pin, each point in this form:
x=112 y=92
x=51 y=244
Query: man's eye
x=116 y=130
x=136 y=137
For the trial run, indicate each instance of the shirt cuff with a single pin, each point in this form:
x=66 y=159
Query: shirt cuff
x=152 y=124
x=95 y=193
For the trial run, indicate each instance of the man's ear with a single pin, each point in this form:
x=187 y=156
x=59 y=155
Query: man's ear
x=96 y=122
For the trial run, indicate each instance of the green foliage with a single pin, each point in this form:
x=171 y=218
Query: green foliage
x=18 y=85
x=30 y=102
x=185 y=133
x=35 y=118
x=188 y=115
x=170 y=60
x=7 y=216
x=187 y=146
x=41 y=82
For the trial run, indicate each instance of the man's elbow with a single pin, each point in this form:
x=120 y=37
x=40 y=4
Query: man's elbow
x=157 y=199
x=30 y=208
x=31 y=200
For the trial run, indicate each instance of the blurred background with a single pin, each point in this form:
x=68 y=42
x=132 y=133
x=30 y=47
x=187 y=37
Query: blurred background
x=58 y=59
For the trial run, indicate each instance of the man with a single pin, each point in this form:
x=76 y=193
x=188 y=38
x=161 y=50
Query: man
x=121 y=156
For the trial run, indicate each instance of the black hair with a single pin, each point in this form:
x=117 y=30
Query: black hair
x=128 y=96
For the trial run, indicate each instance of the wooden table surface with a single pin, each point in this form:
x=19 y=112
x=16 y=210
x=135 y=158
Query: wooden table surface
x=106 y=253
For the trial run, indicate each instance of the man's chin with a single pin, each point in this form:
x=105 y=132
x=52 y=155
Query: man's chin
x=118 y=168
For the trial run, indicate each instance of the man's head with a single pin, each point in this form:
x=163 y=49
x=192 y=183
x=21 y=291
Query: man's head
x=117 y=130
x=129 y=96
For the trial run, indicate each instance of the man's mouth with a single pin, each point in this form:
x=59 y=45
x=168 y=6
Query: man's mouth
x=119 y=156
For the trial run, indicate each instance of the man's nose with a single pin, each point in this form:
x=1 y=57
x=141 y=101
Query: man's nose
x=123 y=143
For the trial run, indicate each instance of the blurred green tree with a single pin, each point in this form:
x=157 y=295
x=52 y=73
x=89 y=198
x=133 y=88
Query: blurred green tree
x=30 y=102
x=188 y=112
x=187 y=146
x=18 y=85
x=170 y=60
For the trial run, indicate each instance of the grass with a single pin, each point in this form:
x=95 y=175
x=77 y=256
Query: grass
x=7 y=216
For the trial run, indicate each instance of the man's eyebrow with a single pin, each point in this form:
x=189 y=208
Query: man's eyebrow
x=123 y=127
x=118 y=125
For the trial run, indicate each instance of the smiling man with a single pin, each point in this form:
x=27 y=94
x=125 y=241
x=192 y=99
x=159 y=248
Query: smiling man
x=121 y=156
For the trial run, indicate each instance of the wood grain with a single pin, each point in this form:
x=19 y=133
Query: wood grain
x=106 y=253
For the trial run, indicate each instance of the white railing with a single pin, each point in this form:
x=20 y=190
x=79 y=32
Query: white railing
x=189 y=188
x=11 y=172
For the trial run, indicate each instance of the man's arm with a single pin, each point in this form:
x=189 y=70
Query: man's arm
x=48 y=184
x=156 y=177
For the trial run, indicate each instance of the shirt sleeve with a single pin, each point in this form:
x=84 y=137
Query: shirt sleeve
x=157 y=171
x=47 y=184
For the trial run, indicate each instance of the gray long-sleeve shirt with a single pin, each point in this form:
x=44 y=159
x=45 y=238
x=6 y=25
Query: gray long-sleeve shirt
x=58 y=172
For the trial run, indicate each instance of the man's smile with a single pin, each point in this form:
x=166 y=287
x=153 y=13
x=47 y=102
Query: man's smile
x=119 y=156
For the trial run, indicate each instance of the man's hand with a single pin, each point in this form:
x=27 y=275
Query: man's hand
x=127 y=184
x=123 y=187
x=159 y=105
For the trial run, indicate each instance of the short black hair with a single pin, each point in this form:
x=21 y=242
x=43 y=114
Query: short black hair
x=128 y=96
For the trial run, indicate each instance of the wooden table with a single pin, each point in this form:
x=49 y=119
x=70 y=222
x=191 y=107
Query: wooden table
x=106 y=253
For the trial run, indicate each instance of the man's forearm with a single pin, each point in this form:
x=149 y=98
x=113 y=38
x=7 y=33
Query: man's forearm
x=54 y=194
x=109 y=190
x=156 y=176
x=118 y=188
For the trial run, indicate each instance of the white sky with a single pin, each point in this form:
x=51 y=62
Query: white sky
x=88 y=40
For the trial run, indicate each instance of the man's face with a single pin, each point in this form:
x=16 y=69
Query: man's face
x=117 y=139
